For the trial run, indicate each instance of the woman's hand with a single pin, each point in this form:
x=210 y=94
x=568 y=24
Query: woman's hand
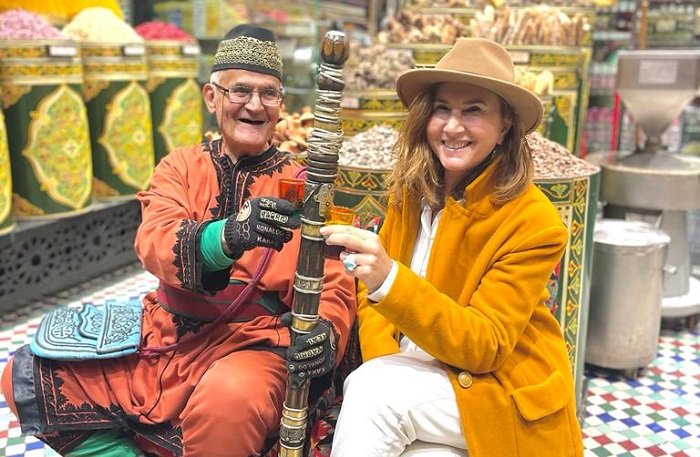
x=373 y=263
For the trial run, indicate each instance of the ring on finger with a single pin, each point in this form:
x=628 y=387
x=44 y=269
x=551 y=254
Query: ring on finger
x=349 y=262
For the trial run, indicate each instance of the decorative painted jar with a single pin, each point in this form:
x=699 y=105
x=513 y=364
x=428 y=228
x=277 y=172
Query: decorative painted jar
x=364 y=109
x=360 y=121
x=576 y=200
x=559 y=122
x=374 y=101
x=175 y=95
x=47 y=128
x=119 y=112
x=364 y=191
x=565 y=111
x=7 y=221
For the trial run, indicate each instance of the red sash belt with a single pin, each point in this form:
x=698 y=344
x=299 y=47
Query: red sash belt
x=210 y=307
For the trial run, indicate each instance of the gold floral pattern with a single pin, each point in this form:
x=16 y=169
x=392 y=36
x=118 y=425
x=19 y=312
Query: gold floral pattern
x=127 y=136
x=156 y=49
x=103 y=190
x=38 y=49
x=567 y=57
x=153 y=82
x=23 y=207
x=12 y=93
x=92 y=88
x=351 y=126
x=115 y=71
x=565 y=109
x=574 y=200
x=182 y=120
x=174 y=67
x=5 y=174
x=41 y=70
x=60 y=157
x=566 y=80
x=23 y=52
x=102 y=50
x=365 y=192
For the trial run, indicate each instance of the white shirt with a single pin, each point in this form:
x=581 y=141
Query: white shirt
x=419 y=261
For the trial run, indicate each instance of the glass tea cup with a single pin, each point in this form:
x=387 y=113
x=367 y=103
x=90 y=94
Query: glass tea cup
x=337 y=215
x=292 y=190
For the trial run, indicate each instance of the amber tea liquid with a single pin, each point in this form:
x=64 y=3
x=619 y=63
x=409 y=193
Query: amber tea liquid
x=337 y=215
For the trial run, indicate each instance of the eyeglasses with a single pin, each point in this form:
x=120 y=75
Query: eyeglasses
x=241 y=94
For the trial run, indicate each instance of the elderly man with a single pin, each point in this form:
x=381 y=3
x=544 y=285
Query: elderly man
x=209 y=377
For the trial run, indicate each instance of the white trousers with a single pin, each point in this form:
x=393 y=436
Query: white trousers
x=399 y=405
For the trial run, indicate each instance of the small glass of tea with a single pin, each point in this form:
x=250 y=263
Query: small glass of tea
x=337 y=215
x=292 y=190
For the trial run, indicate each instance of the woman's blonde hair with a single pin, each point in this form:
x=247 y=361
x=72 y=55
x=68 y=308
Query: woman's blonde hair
x=420 y=173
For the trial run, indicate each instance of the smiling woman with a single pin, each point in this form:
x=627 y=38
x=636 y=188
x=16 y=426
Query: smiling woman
x=451 y=299
x=467 y=124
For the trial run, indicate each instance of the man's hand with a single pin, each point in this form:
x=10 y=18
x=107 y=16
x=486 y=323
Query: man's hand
x=262 y=221
x=313 y=354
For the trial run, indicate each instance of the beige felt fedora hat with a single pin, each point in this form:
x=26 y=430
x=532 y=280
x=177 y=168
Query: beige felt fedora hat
x=480 y=62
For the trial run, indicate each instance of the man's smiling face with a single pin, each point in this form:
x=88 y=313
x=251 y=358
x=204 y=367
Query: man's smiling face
x=246 y=128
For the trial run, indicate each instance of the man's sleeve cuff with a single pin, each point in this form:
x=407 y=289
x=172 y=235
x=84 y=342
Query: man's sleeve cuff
x=210 y=246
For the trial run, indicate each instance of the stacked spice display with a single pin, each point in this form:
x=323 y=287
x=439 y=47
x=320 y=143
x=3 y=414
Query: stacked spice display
x=176 y=102
x=58 y=12
x=543 y=39
x=292 y=132
x=364 y=163
x=369 y=98
x=118 y=105
x=47 y=128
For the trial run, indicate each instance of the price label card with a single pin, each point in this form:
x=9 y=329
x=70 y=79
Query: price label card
x=519 y=57
x=350 y=103
x=55 y=50
x=133 y=50
x=190 y=50
x=658 y=72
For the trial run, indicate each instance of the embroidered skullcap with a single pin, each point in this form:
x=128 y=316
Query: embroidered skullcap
x=249 y=47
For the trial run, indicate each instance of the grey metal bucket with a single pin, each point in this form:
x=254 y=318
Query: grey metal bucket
x=626 y=295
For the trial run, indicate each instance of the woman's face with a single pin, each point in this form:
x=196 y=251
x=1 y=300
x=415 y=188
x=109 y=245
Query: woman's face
x=465 y=126
x=246 y=128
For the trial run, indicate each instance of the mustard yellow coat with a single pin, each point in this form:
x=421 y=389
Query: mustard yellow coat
x=480 y=310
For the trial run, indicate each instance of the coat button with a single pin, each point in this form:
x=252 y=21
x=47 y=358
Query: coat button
x=465 y=379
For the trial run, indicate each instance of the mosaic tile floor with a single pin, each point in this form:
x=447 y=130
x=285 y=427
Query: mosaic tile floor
x=658 y=414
